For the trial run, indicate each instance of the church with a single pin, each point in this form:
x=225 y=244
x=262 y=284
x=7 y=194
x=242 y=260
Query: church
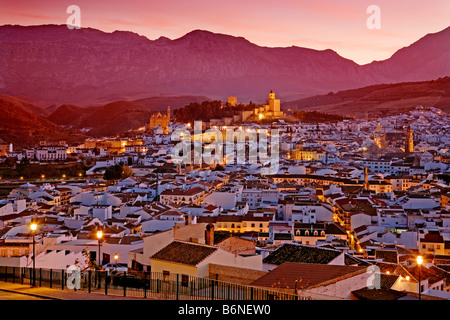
x=161 y=120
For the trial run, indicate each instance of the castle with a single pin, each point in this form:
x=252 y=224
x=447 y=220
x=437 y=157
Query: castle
x=161 y=120
x=271 y=109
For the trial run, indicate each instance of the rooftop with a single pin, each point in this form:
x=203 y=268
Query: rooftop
x=290 y=252
x=190 y=254
x=291 y=275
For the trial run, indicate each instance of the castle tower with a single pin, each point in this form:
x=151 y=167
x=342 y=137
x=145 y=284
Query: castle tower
x=409 y=142
x=271 y=95
x=274 y=104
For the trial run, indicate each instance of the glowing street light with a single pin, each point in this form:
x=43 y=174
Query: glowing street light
x=419 y=260
x=116 y=257
x=33 y=228
x=99 y=237
x=43 y=176
x=419 y=263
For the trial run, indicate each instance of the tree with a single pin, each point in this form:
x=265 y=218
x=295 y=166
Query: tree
x=126 y=172
x=113 y=173
x=89 y=262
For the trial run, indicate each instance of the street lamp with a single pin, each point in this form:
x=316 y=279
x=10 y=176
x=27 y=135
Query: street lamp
x=116 y=257
x=33 y=228
x=99 y=237
x=419 y=263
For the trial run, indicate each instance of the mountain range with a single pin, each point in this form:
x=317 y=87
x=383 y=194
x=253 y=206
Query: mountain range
x=52 y=65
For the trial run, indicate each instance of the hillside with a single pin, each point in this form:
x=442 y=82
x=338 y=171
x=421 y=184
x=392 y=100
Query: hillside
x=106 y=67
x=24 y=128
x=24 y=104
x=67 y=114
x=116 y=117
x=379 y=99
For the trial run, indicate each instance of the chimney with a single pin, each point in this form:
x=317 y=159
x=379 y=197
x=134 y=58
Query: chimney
x=209 y=234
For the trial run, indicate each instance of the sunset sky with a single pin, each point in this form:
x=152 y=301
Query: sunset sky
x=320 y=24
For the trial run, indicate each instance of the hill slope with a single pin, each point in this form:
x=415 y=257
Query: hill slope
x=117 y=117
x=379 y=99
x=24 y=128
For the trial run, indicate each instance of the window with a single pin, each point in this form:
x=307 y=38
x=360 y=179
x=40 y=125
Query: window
x=306 y=233
x=166 y=275
x=322 y=233
x=184 y=280
x=316 y=233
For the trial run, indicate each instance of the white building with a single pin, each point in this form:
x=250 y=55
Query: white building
x=51 y=153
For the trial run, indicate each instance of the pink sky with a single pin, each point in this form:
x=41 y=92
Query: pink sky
x=319 y=24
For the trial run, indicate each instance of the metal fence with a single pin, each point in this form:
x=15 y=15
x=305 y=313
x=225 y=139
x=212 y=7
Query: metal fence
x=141 y=284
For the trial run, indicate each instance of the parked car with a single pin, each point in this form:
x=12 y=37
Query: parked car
x=112 y=267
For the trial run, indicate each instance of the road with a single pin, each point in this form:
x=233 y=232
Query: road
x=17 y=296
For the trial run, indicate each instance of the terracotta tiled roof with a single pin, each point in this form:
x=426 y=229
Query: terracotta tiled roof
x=350 y=261
x=387 y=255
x=432 y=238
x=184 y=253
x=388 y=280
x=182 y=192
x=377 y=294
x=306 y=274
x=289 y=252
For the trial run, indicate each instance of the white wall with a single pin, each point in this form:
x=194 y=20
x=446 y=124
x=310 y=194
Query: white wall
x=360 y=219
x=159 y=225
x=343 y=288
x=225 y=258
x=226 y=200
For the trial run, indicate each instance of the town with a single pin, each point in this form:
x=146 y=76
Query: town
x=348 y=196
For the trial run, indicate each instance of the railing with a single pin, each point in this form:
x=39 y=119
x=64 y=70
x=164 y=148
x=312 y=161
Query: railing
x=141 y=284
